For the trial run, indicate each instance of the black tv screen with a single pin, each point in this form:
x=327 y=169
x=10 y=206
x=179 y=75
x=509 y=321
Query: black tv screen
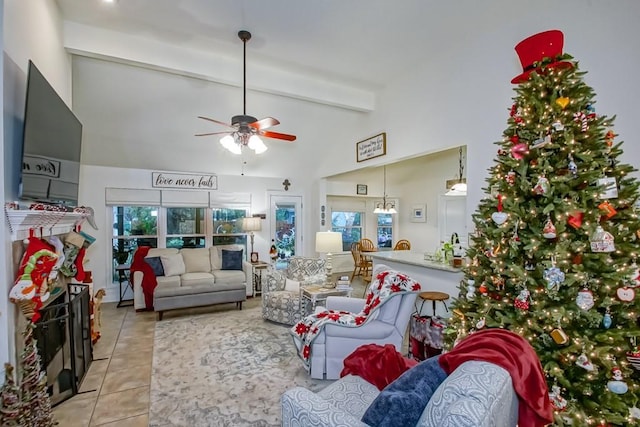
x=52 y=141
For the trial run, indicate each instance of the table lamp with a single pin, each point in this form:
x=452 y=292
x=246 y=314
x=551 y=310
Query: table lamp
x=327 y=242
x=252 y=224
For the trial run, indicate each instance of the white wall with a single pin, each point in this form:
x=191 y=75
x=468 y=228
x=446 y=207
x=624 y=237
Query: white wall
x=31 y=30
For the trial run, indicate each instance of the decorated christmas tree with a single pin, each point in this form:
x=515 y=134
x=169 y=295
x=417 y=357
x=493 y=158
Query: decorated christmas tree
x=36 y=403
x=553 y=256
x=9 y=399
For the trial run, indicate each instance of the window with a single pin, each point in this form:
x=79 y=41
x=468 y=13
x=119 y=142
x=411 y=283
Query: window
x=133 y=226
x=349 y=224
x=185 y=228
x=227 y=227
x=385 y=230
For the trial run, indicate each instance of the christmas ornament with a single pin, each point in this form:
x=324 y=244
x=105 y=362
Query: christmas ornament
x=577 y=259
x=607 y=209
x=626 y=294
x=559 y=336
x=522 y=300
x=557 y=126
x=634 y=413
x=608 y=138
x=584 y=300
x=602 y=241
x=481 y=323
x=541 y=142
x=511 y=177
x=549 y=230
x=575 y=219
x=542 y=186
x=616 y=385
x=581 y=118
x=520 y=150
x=609 y=187
x=498 y=282
x=553 y=276
x=584 y=362
x=499 y=217
x=591 y=111
x=634 y=277
x=573 y=168
x=563 y=101
x=471 y=288
x=514 y=139
x=607 y=320
x=483 y=289
x=558 y=402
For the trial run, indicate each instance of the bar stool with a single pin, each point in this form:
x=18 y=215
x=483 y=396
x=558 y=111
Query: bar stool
x=434 y=297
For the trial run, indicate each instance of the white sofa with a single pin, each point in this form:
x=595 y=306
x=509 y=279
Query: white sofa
x=195 y=277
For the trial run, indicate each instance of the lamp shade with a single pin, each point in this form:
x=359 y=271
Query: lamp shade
x=328 y=241
x=251 y=224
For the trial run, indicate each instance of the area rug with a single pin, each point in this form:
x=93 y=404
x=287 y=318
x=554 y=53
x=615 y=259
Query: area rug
x=227 y=368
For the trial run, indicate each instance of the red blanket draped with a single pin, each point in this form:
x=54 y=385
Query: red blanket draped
x=378 y=365
x=513 y=353
x=149 y=282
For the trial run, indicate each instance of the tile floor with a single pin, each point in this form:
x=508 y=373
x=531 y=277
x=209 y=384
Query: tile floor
x=115 y=391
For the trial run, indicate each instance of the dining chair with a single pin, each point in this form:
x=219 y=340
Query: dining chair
x=361 y=265
x=402 y=245
x=366 y=245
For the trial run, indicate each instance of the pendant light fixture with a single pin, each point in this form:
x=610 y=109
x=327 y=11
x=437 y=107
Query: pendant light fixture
x=460 y=188
x=385 y=207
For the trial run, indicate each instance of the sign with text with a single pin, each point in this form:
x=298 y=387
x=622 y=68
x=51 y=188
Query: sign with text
x=191 y=181
x=37 y=165
x=375 y=146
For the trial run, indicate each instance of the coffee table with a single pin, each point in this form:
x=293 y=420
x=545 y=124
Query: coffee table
x=310 y=296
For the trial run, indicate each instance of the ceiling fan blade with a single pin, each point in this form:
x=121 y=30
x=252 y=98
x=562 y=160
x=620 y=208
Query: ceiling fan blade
x=216 y=121
x=267 y=122
x=277 y=135
x=212 y=133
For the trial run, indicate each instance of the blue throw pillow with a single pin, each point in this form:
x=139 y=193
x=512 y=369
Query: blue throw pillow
x=156 y=265
x=402 y=402
x=231 y=260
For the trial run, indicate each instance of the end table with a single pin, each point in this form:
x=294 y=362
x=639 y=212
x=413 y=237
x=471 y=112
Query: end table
x=258 y=268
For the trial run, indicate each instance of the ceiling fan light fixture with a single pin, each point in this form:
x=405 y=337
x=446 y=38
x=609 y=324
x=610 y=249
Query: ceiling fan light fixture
x=230 y=144
x=256 y=144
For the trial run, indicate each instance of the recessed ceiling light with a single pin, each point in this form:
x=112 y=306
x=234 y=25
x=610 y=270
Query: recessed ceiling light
x=109 y=1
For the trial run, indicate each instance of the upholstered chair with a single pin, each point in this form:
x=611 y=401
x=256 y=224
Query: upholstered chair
x=336 y=342
x=281 y=296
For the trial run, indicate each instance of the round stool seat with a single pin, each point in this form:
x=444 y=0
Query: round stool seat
x=434 y=296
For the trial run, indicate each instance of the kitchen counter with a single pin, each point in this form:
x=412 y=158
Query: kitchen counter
x=432 y=276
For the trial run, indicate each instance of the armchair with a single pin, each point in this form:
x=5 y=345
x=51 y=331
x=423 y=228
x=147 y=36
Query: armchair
x=336 y=342
x=284 y=305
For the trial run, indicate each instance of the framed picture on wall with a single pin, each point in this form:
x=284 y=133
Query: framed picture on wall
x=361 y=189
x=419 y=213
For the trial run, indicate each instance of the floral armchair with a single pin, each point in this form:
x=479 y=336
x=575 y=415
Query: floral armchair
x=284 y=305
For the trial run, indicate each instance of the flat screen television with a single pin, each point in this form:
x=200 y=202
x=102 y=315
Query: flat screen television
x=51 y=145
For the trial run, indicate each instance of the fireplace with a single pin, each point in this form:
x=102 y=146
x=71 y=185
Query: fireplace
x=63 y=335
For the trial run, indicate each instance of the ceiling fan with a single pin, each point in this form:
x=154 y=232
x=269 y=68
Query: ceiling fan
x=246 y=129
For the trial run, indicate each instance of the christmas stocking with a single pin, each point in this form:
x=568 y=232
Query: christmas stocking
x=78 y=265
x=72 y=245
x=35 y=267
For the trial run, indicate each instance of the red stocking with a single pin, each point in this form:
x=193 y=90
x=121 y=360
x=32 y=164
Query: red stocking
x=80 y=274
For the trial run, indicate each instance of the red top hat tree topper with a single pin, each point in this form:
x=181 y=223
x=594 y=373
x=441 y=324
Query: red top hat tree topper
x=535 y=48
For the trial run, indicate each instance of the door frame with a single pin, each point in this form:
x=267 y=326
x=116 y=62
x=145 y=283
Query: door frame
x=276 y=197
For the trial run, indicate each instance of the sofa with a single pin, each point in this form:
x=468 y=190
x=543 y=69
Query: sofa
x=476 y=394
x=195 y=277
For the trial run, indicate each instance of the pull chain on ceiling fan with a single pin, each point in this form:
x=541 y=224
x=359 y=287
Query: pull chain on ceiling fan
x=246 y=129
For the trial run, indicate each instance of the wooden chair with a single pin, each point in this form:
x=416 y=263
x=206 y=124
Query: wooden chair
x=366 y=245
x=361 y=266
x=402 y=245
